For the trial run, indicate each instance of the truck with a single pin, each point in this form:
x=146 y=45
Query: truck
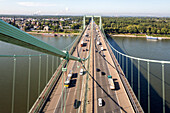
x=110 y=80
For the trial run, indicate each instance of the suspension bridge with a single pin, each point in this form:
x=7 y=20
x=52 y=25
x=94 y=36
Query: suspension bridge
x=92 y=62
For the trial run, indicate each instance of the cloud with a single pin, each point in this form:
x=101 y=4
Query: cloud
x=36 y=4
x=37 y=12
x=66 y=9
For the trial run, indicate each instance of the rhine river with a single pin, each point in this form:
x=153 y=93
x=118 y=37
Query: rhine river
x=147 y=49
x=138 y=47
x=21 y=79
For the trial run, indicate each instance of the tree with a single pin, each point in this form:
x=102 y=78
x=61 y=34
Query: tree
x=158 y=31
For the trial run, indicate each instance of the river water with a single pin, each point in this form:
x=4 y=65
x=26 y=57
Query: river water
x=21 y=79
x=142 y=48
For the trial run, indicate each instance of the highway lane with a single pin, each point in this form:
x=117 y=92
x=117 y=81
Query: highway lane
x=54 y=103
x=74 y=92
x=80 y=84
x=110 y=105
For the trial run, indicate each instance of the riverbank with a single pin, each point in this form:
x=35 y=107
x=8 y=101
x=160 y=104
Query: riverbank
x=53 y=33
x=133 y=36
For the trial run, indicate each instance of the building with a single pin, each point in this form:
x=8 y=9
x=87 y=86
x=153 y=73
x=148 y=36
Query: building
x=46 y=28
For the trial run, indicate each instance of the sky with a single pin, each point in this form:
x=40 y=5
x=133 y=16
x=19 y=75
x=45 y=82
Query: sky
x=86 y=7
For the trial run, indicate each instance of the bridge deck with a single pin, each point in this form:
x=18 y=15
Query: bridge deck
x=76 y=89
x=101 y=65
x=115 y=100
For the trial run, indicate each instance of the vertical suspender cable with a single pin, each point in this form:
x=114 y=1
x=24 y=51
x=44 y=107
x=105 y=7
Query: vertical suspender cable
x=52 y=65
x=132 y=73
x=62 y=89
x=123 y=63
x=29 y=73
x=148 y=87
x=138 y=80
x=39 y=77
x=13 y=85
x=127 y=68
x=47 y=70
x=163 y=88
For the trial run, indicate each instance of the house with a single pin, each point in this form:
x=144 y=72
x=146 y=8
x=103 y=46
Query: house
x=46 y=28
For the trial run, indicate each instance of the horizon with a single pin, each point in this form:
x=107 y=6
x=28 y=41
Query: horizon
x=66 y=15
x=152 y=8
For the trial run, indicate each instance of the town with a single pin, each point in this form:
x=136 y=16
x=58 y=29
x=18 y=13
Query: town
x=45 y=24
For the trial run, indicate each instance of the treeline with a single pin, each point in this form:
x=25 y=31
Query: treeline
x=144 y=25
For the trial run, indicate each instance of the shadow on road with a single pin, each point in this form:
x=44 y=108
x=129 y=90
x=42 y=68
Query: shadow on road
x=117 y=87
x=105 y=91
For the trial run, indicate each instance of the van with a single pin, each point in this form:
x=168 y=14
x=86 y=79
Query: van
x=101 y=48
x=100 y=102
x=81 y=71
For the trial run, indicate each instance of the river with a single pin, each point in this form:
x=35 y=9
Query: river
x=142 y=48
x=21 y=79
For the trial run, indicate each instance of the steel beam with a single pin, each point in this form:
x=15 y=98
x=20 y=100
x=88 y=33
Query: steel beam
x=13 y=35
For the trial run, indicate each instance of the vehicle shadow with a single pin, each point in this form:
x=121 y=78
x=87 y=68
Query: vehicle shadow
x=72 y=83
x=74 y=75
x=117 y=87
x=84 y=44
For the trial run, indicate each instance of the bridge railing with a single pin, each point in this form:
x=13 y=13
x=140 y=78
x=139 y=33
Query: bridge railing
x=22 y=70
x=47 y=90
x=13 y=35
x=135 y=67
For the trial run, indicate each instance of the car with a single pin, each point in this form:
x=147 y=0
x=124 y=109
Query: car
x=101 y=48
x=103 y=73
x=100 y=103
x=97 y=69
x=75 y=104
x=81 y=71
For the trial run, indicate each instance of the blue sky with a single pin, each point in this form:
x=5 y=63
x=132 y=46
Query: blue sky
x=82 y=7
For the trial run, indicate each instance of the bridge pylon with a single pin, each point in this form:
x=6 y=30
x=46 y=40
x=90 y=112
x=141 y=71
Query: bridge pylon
x=100 y=20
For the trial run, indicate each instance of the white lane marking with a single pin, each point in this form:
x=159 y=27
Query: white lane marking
x=81 y=93
x=57 y=103
x=104 y=111
x=67 y=98
x=112 y=111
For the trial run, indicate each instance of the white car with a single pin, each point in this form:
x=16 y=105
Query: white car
x=101 y=48
x=100 y=102
x=81 y=71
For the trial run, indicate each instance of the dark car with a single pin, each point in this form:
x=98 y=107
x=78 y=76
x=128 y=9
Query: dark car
x=75 y=104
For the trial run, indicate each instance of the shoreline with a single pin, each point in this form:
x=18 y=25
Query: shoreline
x=133 y=36
x=53 y=33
